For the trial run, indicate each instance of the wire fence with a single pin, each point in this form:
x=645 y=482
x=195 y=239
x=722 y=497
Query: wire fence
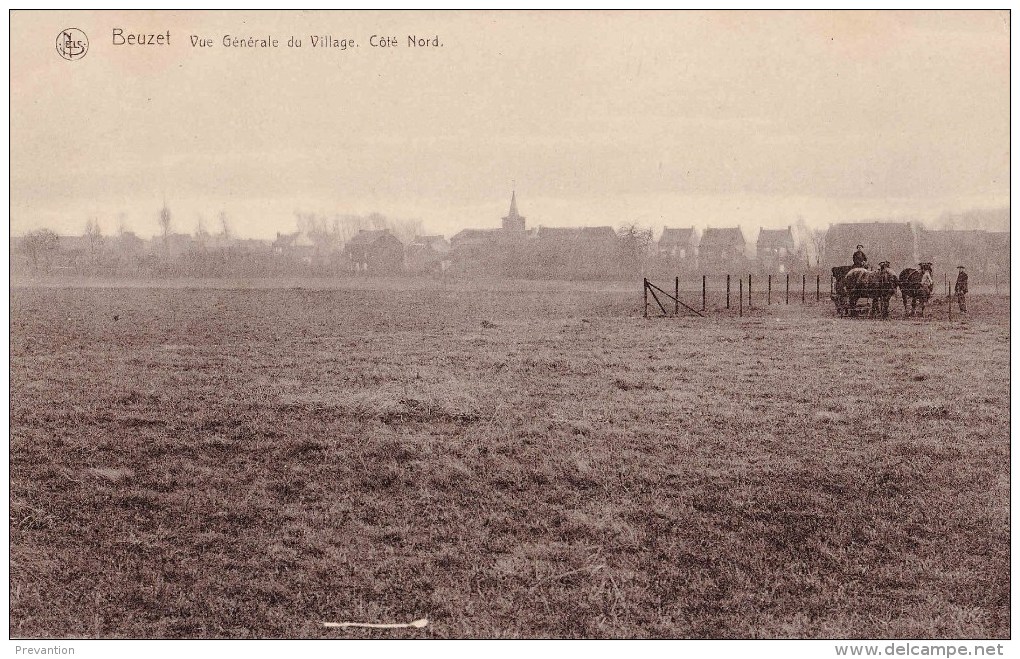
x=747 y=292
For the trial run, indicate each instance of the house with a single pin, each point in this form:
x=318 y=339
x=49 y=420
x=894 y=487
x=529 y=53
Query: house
x=583 y=238
x=221 y=242
x=895 y=242
x=254 y=246
x=76 y=252
x=722 y=248
x=598 y=235
x=75 y=244
x=997 y=253
x=983 y=252
x=572 y=252
x=128 y=243
x=776 y=249
x=469 y=239
x=175 y=244
x=428 y=254
x=679 y=244
x=375 y=252
x=295 y=245
x=576 y=236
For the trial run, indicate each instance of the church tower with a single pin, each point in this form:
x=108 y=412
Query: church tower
x=513 y=221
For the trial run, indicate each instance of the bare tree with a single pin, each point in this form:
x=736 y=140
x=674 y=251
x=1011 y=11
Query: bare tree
x=165 y=221
x=331 y=233
x=304 y=221
x=635 y=245
x=406 y=230
x=947 y=221
x=40 y=245
x=347 y=226
x=377 y=220
x=201 y=234
x=121 y=224
x=812 y=242
x=94 y=237
x=225 y=231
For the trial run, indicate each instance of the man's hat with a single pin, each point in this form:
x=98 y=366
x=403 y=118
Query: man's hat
x=860 y=247
x=960 y=267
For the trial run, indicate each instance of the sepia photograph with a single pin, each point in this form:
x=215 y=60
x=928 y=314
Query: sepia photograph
x=510 y=324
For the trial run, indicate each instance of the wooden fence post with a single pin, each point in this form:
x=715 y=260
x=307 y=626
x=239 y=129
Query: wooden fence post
x=645 y=285
x=818 y=288
x=770 y=289
x=788 y=288
x=727 y=291
x=704 y=281
x=676 y=299
x=749 y=303
x=741 y=296
x=803 y=288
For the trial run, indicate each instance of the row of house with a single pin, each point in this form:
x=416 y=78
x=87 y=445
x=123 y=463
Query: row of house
x=513 y=248
x=775 y=248
x=901 y=243
x=726 y=248
x=682 y=247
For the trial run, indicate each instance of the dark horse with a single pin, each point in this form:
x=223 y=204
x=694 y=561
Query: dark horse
x=840 y=296
x=883 y=287
x=917 y=284
x=877 y=285
x=851 y=284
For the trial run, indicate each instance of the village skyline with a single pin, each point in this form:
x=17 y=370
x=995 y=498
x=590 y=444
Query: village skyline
x=380 y=245
x=993 y=218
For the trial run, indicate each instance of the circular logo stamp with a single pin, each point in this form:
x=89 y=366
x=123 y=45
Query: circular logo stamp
x=72 y=44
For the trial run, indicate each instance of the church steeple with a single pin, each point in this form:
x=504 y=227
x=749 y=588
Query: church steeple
x=513 y=221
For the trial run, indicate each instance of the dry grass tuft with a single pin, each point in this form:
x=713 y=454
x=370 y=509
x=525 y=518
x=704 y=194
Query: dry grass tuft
x=113 y=474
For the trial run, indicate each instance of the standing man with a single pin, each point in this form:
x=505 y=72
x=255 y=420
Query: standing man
x=961 y=288
x=860 y=258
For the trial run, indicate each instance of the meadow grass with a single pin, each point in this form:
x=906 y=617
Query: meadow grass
x=540 y=462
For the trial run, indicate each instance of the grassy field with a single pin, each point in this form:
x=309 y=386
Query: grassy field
x=506 y=462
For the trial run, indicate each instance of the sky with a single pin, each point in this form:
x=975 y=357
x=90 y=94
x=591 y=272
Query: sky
x=594 y=117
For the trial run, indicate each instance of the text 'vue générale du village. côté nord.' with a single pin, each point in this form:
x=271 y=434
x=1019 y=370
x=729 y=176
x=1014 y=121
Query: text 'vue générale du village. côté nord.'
x=122 y=37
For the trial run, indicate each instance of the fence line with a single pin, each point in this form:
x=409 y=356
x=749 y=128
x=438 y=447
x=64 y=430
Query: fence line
x=649 y=287
x=659 y=295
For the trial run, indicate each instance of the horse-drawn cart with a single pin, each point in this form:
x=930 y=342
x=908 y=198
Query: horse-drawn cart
x=841 y=295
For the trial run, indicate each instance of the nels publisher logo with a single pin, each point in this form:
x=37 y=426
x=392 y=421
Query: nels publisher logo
x=72 y=44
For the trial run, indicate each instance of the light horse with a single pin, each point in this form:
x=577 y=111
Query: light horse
x=877 y=285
